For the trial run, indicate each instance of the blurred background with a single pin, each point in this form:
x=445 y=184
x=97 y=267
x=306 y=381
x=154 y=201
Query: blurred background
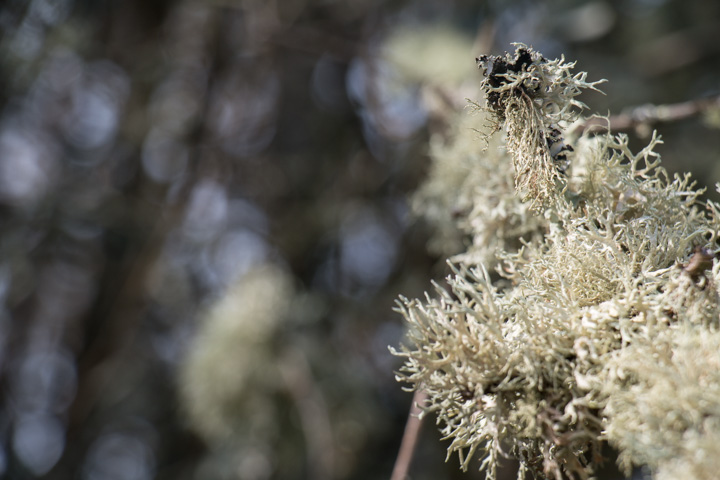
x=204 y=221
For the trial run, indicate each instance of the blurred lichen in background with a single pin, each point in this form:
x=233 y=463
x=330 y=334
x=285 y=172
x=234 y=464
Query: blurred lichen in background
x=231 y=370
x=598 y=322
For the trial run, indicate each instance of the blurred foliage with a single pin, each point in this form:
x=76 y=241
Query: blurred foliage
x=154 y=154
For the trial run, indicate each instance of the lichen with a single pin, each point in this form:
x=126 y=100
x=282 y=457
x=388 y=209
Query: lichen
x=469 y=197
x=534 y=99
x=231 y=367
x=596 y=323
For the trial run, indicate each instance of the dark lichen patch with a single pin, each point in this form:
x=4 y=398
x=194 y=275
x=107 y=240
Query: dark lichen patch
x=496 y=69
x=558 y=149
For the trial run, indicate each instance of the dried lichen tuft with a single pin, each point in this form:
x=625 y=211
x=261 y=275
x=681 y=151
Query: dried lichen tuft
x=602 y=325
x=535 y=100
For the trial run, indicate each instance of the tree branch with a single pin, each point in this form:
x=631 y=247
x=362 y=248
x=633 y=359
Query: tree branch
x=410 y=437
x=642 y=117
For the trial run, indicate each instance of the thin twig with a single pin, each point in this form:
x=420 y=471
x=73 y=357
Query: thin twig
x=410 y=437
x=313 y=412
x=646 y=115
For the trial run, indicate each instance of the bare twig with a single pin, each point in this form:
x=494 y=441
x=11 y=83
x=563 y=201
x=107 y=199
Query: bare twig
x=313 y=413
x=646 y=115
x=410 y=437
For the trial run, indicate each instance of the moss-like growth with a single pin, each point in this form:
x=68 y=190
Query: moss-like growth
x=535 y=100
x=231 y=384
x=469 y=197
x=232 y=364
x=601 y=321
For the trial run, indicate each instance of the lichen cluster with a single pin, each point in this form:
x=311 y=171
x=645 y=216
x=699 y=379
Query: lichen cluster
x=230 y=383
x=469 y=197
x=585 y=309
x=535 y=100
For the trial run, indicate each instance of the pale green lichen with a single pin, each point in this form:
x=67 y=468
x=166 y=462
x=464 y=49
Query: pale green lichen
x=469 y=197
x=429 y=52
x=600 y=323
x=231 y=366
x=534 y=99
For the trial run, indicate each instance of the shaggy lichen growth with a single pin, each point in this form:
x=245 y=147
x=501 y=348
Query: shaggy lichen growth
x=469 y=197
x=535 y=100
x=600 y=322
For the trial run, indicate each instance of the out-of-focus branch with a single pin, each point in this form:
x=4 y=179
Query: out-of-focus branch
x=313 y=412
x=642 y=117
x=316 y=42
x=410 y=437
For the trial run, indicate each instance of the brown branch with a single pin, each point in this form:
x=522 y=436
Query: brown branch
x=410 y=437
x=313 y=413
x=647 y=115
